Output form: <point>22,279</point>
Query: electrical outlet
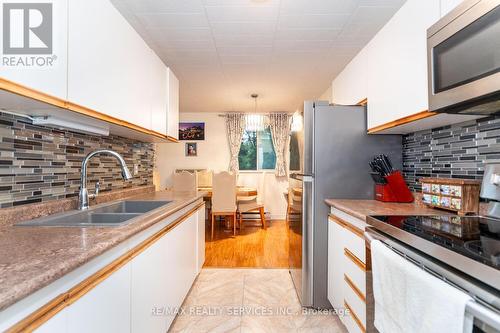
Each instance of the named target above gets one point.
<point>136,169</point>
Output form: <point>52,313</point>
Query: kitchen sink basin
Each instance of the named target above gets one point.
<point>131,207</point>
<point>115,214</point>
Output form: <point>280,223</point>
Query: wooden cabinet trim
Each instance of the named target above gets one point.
<point>355,317</point>
<point>64,104</point>
<point>358,262</point>
<point>363,102</point>
<point>349,226</point>
<point>408,119</point>
<point>49,310</point>
<point>354,288</point>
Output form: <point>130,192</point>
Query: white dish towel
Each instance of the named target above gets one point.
<point>410,300</point>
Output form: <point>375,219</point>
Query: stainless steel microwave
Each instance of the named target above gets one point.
<point>463,57</point>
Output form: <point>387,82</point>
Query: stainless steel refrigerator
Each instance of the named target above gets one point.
<point>335,150</point>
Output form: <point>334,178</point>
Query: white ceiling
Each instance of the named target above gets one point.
<point>287,51</point>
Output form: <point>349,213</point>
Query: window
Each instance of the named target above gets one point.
<point>294,152</point>
<point>257,151</point>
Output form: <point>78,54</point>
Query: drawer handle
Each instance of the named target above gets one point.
<point>355,317</point>
<point>355,288</point>
<point>355,259</point>
<point>349,226</point>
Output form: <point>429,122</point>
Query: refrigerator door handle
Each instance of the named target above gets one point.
<point>302,177</point>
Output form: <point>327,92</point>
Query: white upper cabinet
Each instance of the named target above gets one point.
<point>109,64</point>
<point>164,100</point>
<point>40,63</point>
<point>173,105</point>
<point>159,98</point>
<point>397,86</point>
<point>391,70</point>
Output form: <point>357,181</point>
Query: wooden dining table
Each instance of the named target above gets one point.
<point>241,191</point>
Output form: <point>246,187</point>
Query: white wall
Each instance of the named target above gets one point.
<point>213,154</point>
<point>326,95</point>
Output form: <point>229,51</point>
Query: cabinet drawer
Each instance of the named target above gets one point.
<point>353,270</point>
<point>353,237</point>
<point>355,298</point>
<point>352,321</point>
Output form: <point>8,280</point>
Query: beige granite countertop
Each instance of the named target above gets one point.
<point>363,208</point>
<point>33,257</point>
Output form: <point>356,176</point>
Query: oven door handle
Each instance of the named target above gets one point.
<point>474,307</point>
<point>371,235</point>
<point>481,312</point>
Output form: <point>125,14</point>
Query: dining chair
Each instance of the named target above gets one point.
<point>224,198</point>
<point>184,182</point>
<point>254,204</point>
<point>294,203</point>
<point>204,178</point>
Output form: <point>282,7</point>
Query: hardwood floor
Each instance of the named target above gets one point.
<point>254,247</point>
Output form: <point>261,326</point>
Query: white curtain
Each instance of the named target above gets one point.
<point>279,123</point>
<point>235,127</point>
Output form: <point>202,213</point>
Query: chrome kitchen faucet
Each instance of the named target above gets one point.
<point>83,195</point>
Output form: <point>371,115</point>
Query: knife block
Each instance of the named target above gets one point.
<point>395,190</point>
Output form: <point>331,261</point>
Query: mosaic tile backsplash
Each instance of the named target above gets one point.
<point>39,163</point>
<point>455,151</point>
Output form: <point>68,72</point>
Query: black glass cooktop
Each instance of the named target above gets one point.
<point>475,237</point>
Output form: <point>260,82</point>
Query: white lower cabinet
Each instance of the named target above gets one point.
<point>335,264</point>
<point>106,308</point>
<point>144,294</point>
<point>58,323</point>
<point>161,277</point>
<point>201,239</point>
<point>347,269</point>
<point>150,282</point>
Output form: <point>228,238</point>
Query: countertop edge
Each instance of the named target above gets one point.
<point>46,280</point>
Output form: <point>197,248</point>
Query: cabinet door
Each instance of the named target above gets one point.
<point>186,255</point>
<point>56,324</point>
<point>43,72</point>
<point>151,282</point>
<point>109,65</point>
<point>173,105</point>
<point>397,74</point>
<point>162,276</point>
<point>336,264</point>
<point>201,239</point>
<point>106,308</point>
<point>159,98</point>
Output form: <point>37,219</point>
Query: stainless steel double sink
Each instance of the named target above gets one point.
<point>114,214</point>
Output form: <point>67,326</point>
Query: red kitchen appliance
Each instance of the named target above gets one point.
<point>394,189</point>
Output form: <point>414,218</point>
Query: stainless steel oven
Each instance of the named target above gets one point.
<point>484,308</point>
<point>463,54</point>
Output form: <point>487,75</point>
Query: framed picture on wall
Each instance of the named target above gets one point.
<point>190,131</point>
<point>191,149</point>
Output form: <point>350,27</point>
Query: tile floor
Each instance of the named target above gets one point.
<point>248,300</point>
